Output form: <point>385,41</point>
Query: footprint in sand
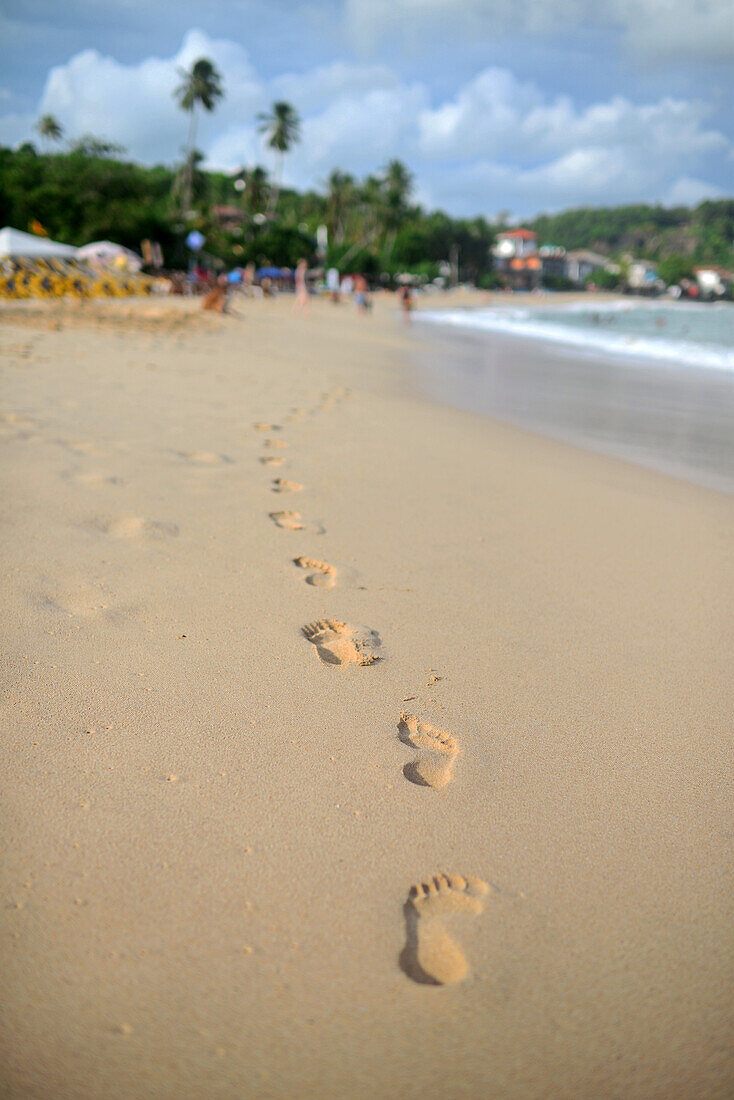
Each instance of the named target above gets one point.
<point>16,420</point>
<point>133,527</point>
<point>203,458</point>
<point>290,520</point>
<point>431,956</point>
<point>282,485</point>
<point>82,601</point>
<point>272,460</point>
<point>261,426</point>
<point>275,443</point>
<point>339,643</point>
<point>77,600</point>
<point>93,479</point>
<point>323,575</point>
<point>434,765</point>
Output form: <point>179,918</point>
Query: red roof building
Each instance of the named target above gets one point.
<point>516,256</point>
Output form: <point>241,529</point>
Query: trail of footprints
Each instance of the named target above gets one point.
<point>431,955</point>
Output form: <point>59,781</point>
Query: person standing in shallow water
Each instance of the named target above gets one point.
<point>301,303</point>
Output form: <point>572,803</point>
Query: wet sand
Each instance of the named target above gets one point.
<point>674,418</point>
<point>412,780</point>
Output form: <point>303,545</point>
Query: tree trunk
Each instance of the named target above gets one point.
<point>188,166</point>
<point>275,191</point>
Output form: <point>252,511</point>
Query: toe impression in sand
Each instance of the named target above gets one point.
<point>282,485</point>
<point>290,520</point>
<point>437,751</point>
<point>339,643</point>
<point>431,955</point>
<point>322,575</point>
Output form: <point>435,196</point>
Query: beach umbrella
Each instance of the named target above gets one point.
<point>195,240</point>
<point>13,242</point>
<point>109,254</point>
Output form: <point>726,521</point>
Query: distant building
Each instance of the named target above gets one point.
<point>643,276</point>
<point>228,216</point>
<point>582,263</point>
<point>516,258</point>
<point>553,261</point>
<point>713,281</point>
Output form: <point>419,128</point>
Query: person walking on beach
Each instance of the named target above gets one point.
<point>301,303</point>
<point>406,302</point>
<point>361,294</point>
<point>332,284</point>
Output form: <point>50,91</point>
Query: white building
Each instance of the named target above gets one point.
<point>643,275</point>
<point>581,263</point>
<point>713,281</point>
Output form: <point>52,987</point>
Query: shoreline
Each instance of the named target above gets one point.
<point>213,829</point>
<point>675,421</point>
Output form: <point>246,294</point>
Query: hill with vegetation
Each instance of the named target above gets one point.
<point>672,235</point>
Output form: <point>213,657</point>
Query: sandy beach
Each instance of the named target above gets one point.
<point>497,673</point>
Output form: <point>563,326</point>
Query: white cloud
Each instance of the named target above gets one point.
<point>679,28</point>
<point>134,104</point>
<point>689,192</point>
<point>370,21</point>
<point>318,88</point>
<point>497,114</point>
<point>702,29</point>
<point>497,142</point>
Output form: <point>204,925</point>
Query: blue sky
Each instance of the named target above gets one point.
<point>515,105</point>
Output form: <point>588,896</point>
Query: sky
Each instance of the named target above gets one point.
<point>519,106</point>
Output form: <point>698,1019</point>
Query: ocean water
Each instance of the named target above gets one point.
<point>696,334</point>
<point>650,383</point>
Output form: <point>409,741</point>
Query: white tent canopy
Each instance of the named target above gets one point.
<point>13,242</point>
<point>110,254</point>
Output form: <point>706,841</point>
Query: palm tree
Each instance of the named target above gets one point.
<point>255,190</point>
<point>396,188</point>
<point>282,127</point>
<point>369,218</point>
<point>339,200</point>
<point>202,86</point>
<point>49,128</point>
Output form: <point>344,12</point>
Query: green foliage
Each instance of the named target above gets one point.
<point>201,85</point>
<point>702,235</point>
<point>87,194</point>
<point>280,245</point>
<point>605,280</point>
<point>49,128</point>
<point>90,146</point>
<point>489,281</point>
<point>560,282</point>
<point>80,198</point>
<point>281,125</point>
<point>674,268</point>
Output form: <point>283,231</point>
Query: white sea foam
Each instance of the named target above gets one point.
<point>528,323</point>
